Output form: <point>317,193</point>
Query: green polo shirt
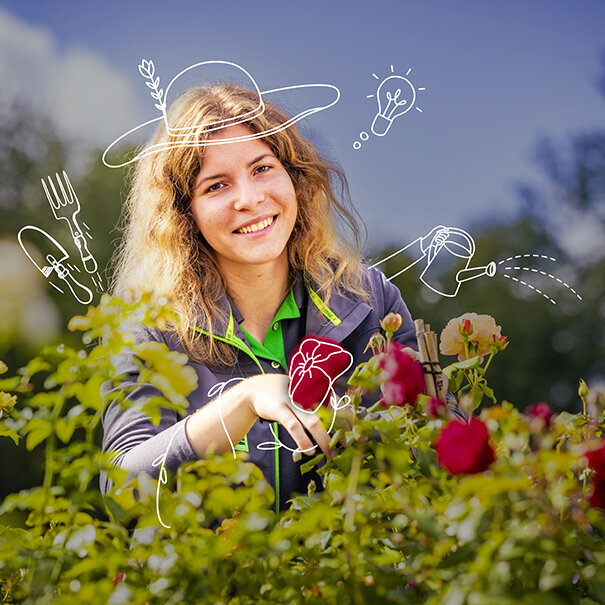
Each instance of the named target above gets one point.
<point>273,347</point>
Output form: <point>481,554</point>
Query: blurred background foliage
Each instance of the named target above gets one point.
<point>554,345</point>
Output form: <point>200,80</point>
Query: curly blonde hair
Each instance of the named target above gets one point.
<point>162,247</point>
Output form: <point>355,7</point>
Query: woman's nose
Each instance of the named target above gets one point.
<point>248,195</point>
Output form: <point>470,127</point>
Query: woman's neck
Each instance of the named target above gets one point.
<point>258,291</point>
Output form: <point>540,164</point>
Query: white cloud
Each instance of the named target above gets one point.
<point>87,98</point>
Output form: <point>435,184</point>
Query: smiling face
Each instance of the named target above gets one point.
<point>244,203</point>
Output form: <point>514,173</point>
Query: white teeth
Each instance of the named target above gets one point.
<point>256,226</point>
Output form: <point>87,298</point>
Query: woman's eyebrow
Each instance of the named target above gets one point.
<point>220,176</point>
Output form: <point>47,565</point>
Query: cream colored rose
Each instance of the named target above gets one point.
<point>484,328</point>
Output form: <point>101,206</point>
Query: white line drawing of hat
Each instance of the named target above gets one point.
<point>189,136</point>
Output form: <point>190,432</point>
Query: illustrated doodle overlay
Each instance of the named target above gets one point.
<point>395,95</point>
<point>56,266</point>
<point>189,135</point>
<point>444,248</point>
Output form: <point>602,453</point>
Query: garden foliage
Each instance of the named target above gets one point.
<point>504,509</point>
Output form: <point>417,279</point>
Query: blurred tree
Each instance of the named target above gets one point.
<point>31,149</point>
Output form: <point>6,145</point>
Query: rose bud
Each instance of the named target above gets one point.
<point>539,415</point>
<point>499,343</point>
<point>392,322</point>
<point>464,447</point>
<point>377,343</point>
<point>466,327</point>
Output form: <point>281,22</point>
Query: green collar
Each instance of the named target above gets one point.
<point>273,346</point>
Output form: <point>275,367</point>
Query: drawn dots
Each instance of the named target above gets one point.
<point>364,136</point>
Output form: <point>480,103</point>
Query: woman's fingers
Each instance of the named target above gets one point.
<point>314,425</point>
<point>290,421</point>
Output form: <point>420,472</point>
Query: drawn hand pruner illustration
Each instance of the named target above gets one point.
<point>32,239</point>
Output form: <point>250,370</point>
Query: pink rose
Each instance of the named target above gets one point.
<point>313,369</point>
<point>403,376</point>
<point>539,415</point>
<point>436,408</point>
<point>464,447</point>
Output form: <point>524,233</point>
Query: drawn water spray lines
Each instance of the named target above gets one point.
<point>515,267</point>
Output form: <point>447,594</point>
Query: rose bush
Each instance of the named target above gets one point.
<point>387,524</point>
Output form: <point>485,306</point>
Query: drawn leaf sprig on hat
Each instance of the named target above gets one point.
<point>147,70</point>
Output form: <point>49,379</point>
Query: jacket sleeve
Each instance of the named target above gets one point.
<point>129,433</point>
<point>393,303</point>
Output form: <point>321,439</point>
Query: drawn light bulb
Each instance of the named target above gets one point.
<point>396,95</point>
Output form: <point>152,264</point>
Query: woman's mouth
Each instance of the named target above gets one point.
<point>256,227</point>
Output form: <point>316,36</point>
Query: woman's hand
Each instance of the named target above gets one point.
<point>267,397</point>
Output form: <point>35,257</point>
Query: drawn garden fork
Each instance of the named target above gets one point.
<point>66,207</point>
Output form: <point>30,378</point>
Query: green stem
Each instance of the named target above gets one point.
<point>375,406</point>
<point>352,487</point>
<point>474,386</point>
<point>491,356</point>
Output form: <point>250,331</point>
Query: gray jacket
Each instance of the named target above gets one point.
<point>137,442</point>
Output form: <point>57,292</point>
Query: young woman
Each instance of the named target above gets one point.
<point>241,237</point>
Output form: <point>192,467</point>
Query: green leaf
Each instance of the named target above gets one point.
<point>37,430</point>
<point>487,391</point>
<point>65,428</point>
<point>467,364</point>
<point>6,432</point>
<point>311,464</point>
<point>364,376</point>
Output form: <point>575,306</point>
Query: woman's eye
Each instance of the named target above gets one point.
<point>263,168</point>
<point>214,187</point>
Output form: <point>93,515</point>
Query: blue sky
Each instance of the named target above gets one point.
<point>498,76</point>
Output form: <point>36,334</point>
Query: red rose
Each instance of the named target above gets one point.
<point>403,377</point>
<point>598,493</point>
<point>596,461</point>
<point>313,369</point>
<point>539,415</point>
<point>464,447</point>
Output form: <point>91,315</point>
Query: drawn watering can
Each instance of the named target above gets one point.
<point>448,246</point>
